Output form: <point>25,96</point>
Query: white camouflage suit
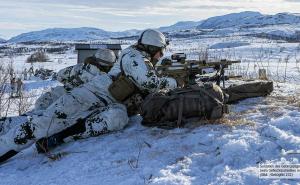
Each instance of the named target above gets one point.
<point>70,77</point>
<point>137,66</point>
<point>91,100</point>
<point>87,99</point>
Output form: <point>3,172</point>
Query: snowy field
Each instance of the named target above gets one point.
<point>258,130</point>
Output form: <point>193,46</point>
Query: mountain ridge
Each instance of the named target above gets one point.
<point>244,19</point>
<point>248,19</point>
<point>2,40</point>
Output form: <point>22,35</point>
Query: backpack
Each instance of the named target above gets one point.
<point>172,108</point>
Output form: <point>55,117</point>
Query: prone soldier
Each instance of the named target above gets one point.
<point>83,111</point>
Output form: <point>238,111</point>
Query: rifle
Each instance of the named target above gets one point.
<point>187,71</point>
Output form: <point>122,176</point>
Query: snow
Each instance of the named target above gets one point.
<point>183,25</point>
<point>70,34</point>
<point>228,151</point>
<point>207,154</point>
<point>248,19</point>
<point>229,20</point>
<point>228,45</point>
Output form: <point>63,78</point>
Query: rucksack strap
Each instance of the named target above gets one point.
<point>208,94</point>
<point>180,111</point>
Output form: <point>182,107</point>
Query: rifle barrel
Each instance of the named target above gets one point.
<point>203,62</point>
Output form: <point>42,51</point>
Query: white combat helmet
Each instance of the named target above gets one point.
<point>153,38</point>
<point>105,57</point>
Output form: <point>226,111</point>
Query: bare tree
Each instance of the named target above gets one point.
<point>203,54</point>
<point>20,104</point>
<point>5,76</point>
<point>24,102</point>
<point>286,61</point>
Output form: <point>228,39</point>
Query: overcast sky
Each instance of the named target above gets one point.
<point>19,16</point>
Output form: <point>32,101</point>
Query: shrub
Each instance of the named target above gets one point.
<point>38,56</point>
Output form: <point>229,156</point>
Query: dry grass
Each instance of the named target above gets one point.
<point>227,119</point>
<point>235,121</point>
<point>294,101</point>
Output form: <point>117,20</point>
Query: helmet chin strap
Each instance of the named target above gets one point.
<point>145,48</point>
<point>154,61</point>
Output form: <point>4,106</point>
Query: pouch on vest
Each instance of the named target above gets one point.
<point>122,88</point>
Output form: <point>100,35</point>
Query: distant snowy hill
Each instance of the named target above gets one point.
<point>249,19</point>
<point>183,25</point>
<point>69,34</point>
<point>2,40</point>
<point>243,23</point>
<point>282,26</point>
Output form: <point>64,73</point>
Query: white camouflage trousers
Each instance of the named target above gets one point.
<point>100,113</point>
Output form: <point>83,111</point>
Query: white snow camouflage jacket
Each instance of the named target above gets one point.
<point>70,77</point>
<point>137,67</point>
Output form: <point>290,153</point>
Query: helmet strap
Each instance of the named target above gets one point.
<point>146,48</point>
<point>141,37</point>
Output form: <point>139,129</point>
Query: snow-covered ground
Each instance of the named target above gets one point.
<point>258,130</point>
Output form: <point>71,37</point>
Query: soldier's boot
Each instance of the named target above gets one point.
<point>45,144</point>
<point>7,156</point>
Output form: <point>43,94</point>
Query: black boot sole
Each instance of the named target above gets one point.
<point>7,156</point>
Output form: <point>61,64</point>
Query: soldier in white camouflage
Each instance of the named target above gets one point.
<point>84,109</point>
<point>74,76</point>
<point>89,109</point>
<point>137,64</point>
